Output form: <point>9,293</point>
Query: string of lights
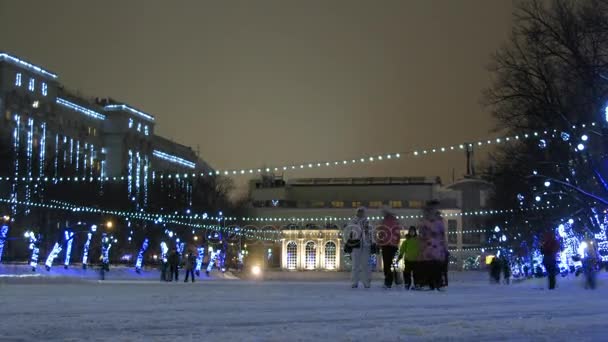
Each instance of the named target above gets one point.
<point>308,165</point>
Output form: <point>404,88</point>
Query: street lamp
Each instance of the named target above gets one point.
<point>109,224</point>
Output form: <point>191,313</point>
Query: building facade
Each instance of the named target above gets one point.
<point>49,132</point>
<point>312,213</point>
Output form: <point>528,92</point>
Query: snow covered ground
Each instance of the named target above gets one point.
<point>50,309</point>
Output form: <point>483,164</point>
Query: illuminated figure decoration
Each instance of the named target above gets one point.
<point>163,257</point>
<point>3,238</point>
<point>140,256</point>
<point>69,239</point>
<point>106,244</point>
<point>199,260</point>
<point>213,255</point>
<point>34,247</point>
<point>52,255</point>
<point>85,252</point>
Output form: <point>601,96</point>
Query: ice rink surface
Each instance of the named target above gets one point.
<point>51,309</point>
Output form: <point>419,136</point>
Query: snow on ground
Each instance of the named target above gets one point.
<point>283,310</point>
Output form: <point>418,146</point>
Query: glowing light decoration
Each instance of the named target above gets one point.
<point>3,238</point>
<point>71,151</point>
<point>45,89</point>
<point>18,80</point>
<point>199,259</point>
<point>56,156</point>
<point>173,159</point>
<point>140,256</point>
<point>80,109</point>
<point>21,63</point>
<point>31,84</point>
<point>106,244</point>
<point>163,251</point>
<point>146,130</point>
<point>126,108</point>
<point>131,122</point>
<point>34,247</point>
<point>85,251</point>
<point>146,170</point>
<point>542,143</point>
<point>565,136</point>
<point>130,175</point>
<point>69,239</point>
<point>213,258</point>
<point>580,147</point>
<point>29,154</point>
<point>42,150</point>
<point>77,155</point>
<point>180,247</point>
<point>52,255</point>
<point>584,137</point>
<point>139,126</point>
<point>16,147</point>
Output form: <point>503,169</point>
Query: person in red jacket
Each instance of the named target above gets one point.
<point>388,235</point>
<point>549,249</point>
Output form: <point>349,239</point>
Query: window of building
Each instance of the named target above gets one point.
<point>45,89</point>
<point>356,204</point>
<point>90,131</point>
<point>146,130</point>
<point>311,255</point>
<point>471,239</point>
<point>452,231</point>
<point>375,204</point>
<point>130,123</point>
<point>292,255</point>
<point>416,204</point>
<point>32,84</point>
<point>139,127</point>
<point>395,204</point>
<point>18,80</point>
<point>317,204</point>
<point>7,115</point>
<point>330,255</point>
<point>337,204</point>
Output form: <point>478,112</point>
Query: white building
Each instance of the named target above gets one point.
<point>312,212</point>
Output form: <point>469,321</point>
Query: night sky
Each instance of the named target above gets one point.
<point>272,82</point>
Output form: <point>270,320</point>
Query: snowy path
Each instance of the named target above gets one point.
<point>286,311</point>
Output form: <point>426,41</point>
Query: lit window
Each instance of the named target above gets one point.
<point>139,127</point>
<point>32,84</point>
<point>311,255</point>
<point>375,204</point>
<point>36,104</point>
<point>18,80</point>
<point>356,204</point>
<point>130,123</point>
<point>416,204</point>
<point>89,130</point>
<point>337,204</point>
<point>146,130</point>
<point>292,255</point>
<point>318,204</point>
<point>94,132</point>
<point>330,255</point>
<point>45,89</point>
<point>396,204</point>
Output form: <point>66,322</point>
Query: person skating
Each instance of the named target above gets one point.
<point>388,235</point>
<point>409,252</point>
<point>433,244</point>
<point>549,249</point>
<point>444,269</point>
<point>173,265</point>
<point>359,240</point>
<point>190,266</point>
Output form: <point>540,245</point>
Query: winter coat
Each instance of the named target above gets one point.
<point>359,229</point>
<point>174,259</point>
<point>432,240</point>
<point>389,232</point>
<point>410,249</point>
<point>190,262</point>
<point>550,246</point>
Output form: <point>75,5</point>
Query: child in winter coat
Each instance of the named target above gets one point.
<point>409,252</point>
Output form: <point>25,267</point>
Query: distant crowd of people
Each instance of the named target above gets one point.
<point>424,251</point>
<point>170,269</point>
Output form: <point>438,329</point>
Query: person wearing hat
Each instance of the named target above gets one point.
<point>388,236</point>
<point>358,238</point>
<point>433,244</point>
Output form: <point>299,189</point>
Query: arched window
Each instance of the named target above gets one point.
<point>330,255</point>
<point>311,255</point>
<point>292,255</point>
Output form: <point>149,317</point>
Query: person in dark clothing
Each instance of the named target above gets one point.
<point>190,265</point>
<point>173,265</point>
<point>506,270</point>
<point>388,236</point>
<point>444,270</point>
<point>550,247</point>
<point>495,269</point>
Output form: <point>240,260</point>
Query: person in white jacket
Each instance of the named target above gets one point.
<point>359,236</point>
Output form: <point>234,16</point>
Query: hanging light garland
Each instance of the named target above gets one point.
<point>308,165</point>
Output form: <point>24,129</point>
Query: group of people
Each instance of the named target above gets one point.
<point>500,265</point>
<point>424,251</point>
<point>170,269</point>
